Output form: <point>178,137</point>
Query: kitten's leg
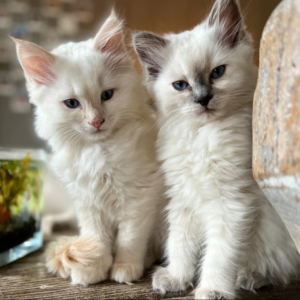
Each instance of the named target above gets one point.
<point>272,257</point>
<point>251,281</point>
<point>88,258</point>
<point>131,248</point>
<point>182,250</point>
<point>226,226</point>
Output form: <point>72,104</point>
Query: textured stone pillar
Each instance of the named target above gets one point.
<point>276,117</point>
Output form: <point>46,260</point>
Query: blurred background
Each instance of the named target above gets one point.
<point>51,22</point>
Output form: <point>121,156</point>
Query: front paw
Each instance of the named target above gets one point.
<point>164,282</point>
<point>126,272</point>
<point>212,295</point>
<point>84,259</point>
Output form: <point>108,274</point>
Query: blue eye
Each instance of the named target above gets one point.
<point>106,95</point>
<point>180,85</point>
<point>72,103</point>
<point>218,72</point>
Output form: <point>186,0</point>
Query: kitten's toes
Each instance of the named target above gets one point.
<point>126,272</point>
<point>212,295</point>
<point>164,282</point>
<point>84,259</point>
<point>250,281</point>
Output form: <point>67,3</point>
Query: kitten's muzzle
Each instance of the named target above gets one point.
<point>204,100</point>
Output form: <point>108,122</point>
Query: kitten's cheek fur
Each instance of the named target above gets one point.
<point>84,259</point>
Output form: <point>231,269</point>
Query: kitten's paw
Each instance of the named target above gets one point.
<point>84,259</point>
<point>93,273</point>
<point>126,272</point>
<point>251,281</point>
<point>164,282</point>
<point>212,295</point>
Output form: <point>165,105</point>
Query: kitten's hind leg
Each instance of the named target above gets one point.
<point>251,281</point>
<point>84,259</point>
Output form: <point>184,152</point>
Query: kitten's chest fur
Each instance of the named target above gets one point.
<point>106,176</point>
<point>90,172</point>
<point>198,161</point>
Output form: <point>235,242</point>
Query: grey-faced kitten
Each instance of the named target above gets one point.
<point>203,81</point>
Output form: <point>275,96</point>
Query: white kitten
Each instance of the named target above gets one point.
<point>92,109</point>
<point>220,222</point>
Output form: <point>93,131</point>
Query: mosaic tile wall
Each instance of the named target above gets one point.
<point>45,22</point>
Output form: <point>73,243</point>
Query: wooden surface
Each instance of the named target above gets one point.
<point>27,278</point>
<point>276,115</point>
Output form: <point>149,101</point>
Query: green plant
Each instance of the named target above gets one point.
<point>19,181</point>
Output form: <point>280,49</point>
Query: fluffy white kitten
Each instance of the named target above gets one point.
<point>221,227</point>
<point>92,109</point>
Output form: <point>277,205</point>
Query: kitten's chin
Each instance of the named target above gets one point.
<point>205,114</point>
<point>97,135</point>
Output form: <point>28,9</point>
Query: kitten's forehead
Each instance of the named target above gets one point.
<point>201,46</point>
<point>72,48</point>
<point>81,69</point>
<point>79,55</point>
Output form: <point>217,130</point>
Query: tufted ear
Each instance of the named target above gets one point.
<point>36,63</point>
<point>151,50</point>
<point>110,37</point>
<point>226,16</point>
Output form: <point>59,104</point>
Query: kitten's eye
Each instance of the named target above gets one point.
<point>106,95</point>
<point>72,103</point>
<point>180,85</point>
<point>218,72</point>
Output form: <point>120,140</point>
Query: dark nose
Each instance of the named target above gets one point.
<point>204,100</point>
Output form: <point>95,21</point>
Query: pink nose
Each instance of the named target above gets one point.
<point>97,123</point>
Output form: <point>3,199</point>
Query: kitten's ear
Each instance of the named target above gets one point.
<point>151,51</point>
<point>36,63</point>
<point>226,15</point>
<point>110,37</point>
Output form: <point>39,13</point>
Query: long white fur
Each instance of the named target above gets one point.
<point>222,229</point>
<point>112,176</point>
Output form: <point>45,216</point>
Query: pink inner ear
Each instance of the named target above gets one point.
<point>226,14</point>
<point>231,19</point>
<point>110,37</point>
<point>37,68</point>
<point>113,45</point>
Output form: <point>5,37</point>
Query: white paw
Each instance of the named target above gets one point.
<point>84,259</point>
<point>212,295</point>
<point>126,272</point>
<point>91,274</point>
<point>164,282</point>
